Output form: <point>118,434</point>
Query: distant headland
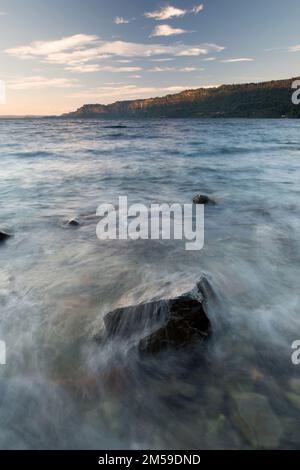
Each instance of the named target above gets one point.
<point>272,99</point>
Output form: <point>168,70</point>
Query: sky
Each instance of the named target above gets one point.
<point>57,55</point>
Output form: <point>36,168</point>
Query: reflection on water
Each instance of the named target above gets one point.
<point>60,388</point>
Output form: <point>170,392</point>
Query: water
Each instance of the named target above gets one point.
<point>60,388</point>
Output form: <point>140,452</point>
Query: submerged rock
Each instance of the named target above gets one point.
<point>255,419</point>
<point>4,236</point>
<point>201,199</point>
<point>294,385</point>
<point>160,325</point>
<point>294,399</point>
<point>291,430</point>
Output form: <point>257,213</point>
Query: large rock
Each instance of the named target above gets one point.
<point>159,325</point>
<point>256,420</point>
<point>4,236</point>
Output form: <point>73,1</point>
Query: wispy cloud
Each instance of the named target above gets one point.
<point>295,48</point>
<point>170,12</point>
<point>120,20</point>
<point>163,59</point>
<point>87,68</point>
<point>238,59</point>
<point>81,49</point>
<point>46,48</point>
<point>38,82</point>
<point>176,69</point>
<point>166,30</point>
<point>107,94</point>
<point>197,9</point>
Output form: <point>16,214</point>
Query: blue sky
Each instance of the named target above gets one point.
<point>57,55</point>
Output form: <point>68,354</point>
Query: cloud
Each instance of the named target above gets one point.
<point>170,12</point>
<point>120,20</point>
<point>166,30</point>
<point>80,49</point>
<point>46,48</point>
<point>163,59</point>
<point>166,13</point>
<point>83,68</point>
<point>294,48</point>
<point>176,69</point>
<point>37,82</point>
<point>3,13</point>
<point>107,94</point>
<point>87,68</point>
<point>200,50</point>
<point>241,59</point>
<point>197,9</point>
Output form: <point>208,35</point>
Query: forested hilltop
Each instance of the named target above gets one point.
<point>271,99</point>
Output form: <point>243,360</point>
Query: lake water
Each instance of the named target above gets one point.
<point>60,388</point>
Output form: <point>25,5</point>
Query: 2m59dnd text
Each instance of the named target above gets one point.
<point>169,459</point>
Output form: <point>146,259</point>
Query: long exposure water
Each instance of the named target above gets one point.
<point>62,389</point>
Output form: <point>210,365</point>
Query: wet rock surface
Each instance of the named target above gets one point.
<point>255,419</point>
<point>160,325</point>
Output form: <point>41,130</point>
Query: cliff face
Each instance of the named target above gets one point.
<point>262,100</point>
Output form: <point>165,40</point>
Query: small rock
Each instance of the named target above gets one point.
<point>294,385</point>
<point>256,375</point>
<point>214,397</point>
<point>291,430</point>
<point>73,223</point>
<point>175,387</point>
<point>4,236</point>
<point>294,399</point>
<point>255,419</point>
<point>220,434</point>
<point>111,411</point>
<point>201,199</point>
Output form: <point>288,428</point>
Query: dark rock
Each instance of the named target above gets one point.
<point>201,199</point>
<point>255,419</point>
<point>160,325</point>
<point>73,223</point>
<point>4,236</point>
